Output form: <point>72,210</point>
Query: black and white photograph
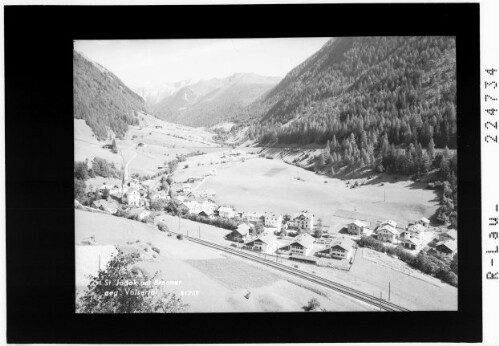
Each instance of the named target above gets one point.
<point>285,173</point>
<point>292,174</point>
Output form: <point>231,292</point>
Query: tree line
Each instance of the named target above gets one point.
<point>102,99</point>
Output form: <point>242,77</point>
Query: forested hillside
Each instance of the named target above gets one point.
<point>403,87</point>
<point>102,100</point>
<point>385,103</point>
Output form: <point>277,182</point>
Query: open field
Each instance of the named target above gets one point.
<point>260,184</point>
<point>199,269</point>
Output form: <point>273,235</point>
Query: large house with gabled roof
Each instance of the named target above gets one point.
<point>340,248</point>
<point>264,243</point>
<point>446,249</point>
<point>300,245</point>
<point>387,233</point>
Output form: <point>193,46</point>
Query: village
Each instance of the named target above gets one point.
<point>300,237</point>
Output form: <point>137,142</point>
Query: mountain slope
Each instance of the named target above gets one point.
<point>102,99</point>
<point>401,87</point>
<point>209,102</point>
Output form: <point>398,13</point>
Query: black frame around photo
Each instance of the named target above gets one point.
<point>39,166</point>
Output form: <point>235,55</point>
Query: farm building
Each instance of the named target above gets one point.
<point>341,248</point>
<point>446,249</point>
<point>226,212</point>
<point>301,245</point>
<point>273,220</point>
<point>264,243</point>
<point>357,227</point>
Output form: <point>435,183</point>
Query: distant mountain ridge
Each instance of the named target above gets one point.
<point>102,99</point>
<point>209,102</point>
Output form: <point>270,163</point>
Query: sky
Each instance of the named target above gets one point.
<point>148,63</point>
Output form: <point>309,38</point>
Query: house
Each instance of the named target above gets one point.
<point>387,233</point>
<point>252,216</point>
<point>339,248</point>
<point>416,230</point>
<point>305,221</point>
<point>357,227</point>
<point>424,222</point>
<point>273,220</point>
<point>264,243</point>
<point>449,235</point>
<point>132,197</point>
<point>300,245</point>
<point>241,234</point>
<point>446,249</point>
<point>410,243</point>
<point>226,212</point>
<point>140,213</point>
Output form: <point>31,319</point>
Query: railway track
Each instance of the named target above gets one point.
<point>348,291</point>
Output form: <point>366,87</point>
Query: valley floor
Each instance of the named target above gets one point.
<point>260,184</point>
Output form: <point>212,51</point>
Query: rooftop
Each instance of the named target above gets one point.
<point>304,239</point>
<point>449,244</point>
